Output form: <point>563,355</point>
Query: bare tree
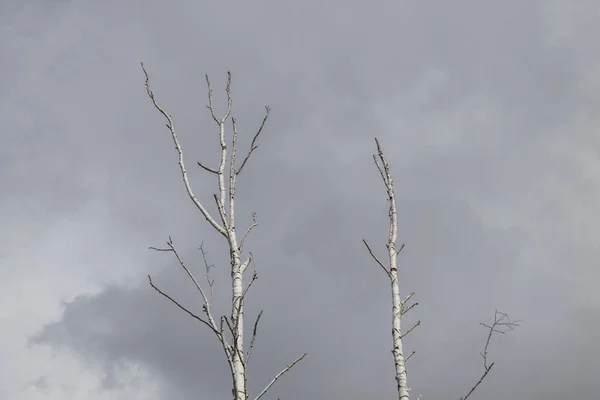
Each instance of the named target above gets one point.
<point>229,330</point>
<point>400,306</point>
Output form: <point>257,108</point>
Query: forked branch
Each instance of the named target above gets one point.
<point>224,199</point>
<point>206,305</point>
<point>502,324</point>
<point>170,125</point>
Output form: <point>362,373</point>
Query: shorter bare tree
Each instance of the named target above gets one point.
<point>501,324</point>
<point>230,329</point>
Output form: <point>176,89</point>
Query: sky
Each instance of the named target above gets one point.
<point>487,111</point>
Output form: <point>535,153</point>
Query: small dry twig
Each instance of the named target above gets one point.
<point>207,268</point>
<point>283,371</point>
<point>252,145</point>
<point>254,331</point>
<point>376,259</point>
<point>182,307</point>
<point>502,324</point>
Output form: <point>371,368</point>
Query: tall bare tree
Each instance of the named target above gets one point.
<point>229,330</point>
<point>501,324</point>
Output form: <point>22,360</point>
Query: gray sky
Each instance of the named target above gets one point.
<point>487,110</point>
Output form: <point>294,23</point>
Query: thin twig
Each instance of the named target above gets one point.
<point>384,175</point>
<point>210,103</point>
<point>252,146</point>
<point>407,309</point>
<point>410,329</point>
<point>400,249</point>
<point>407,298</point>
<point>206,305</point>
<point>221,209</point>
<point>182,307</point>
<point>286,369</point>
<point>233,334</point>
<point>254,331</point>
<point>376,259</point>
<point>228,91</point>
<point>254,223</point>
<point>254,277</point>
<point>209,169</point>
<point>207,271</point>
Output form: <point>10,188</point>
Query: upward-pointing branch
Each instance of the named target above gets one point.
<point>186,182</point>
<point>392,273</point>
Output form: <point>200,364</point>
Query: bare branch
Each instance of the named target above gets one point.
<point>407,298</point>
<point>400,249</point>
<point>254,277</point>
<point>206,306</point>
<point>210,103</point>
<point>225,202</point>
<point>182,307</point>
<point>405,310</point>
<point>286,369</point>
<point>254,331</point>
<point>486,371</point>
<point>228,91</point>
<point>157,249</point>
<point>392,271</point>
<point>254,223</point>
<point>232,174</point>
<point>186,182</point>
<point>500,320</point>
<point>221,179</point>
<point>214,171</point>
<point>379,168</point>
<point>376,259</point>
<point>221,208</point>
<point>221,170</point>
<point>207,271</point>
<point>233,147</point>
<point>221,326</point>
<point>245,264</point>
<point>505,322</point>
<point>252,145</point>
<point>231,329</point>
<point>386,176</point>
<point>409,356</point>
<point>410,330</point>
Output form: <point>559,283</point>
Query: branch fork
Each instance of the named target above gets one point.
<point>225,204</point>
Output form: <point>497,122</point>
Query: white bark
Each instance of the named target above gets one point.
<point>392,273</point>
<point>502,323</point>
<point>225,203</point>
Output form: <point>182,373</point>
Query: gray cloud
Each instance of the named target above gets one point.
<point>486,112</point>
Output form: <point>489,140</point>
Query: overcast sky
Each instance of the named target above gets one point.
<point>487,110</point>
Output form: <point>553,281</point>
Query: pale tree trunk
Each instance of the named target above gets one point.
<point>391,270</point>
<point>230,329</point>
<point>501,324</point>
